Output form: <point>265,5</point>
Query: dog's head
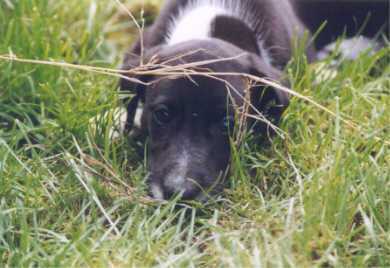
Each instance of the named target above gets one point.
<point>190,118</point>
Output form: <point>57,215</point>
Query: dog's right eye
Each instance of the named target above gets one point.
<point>162,115</point>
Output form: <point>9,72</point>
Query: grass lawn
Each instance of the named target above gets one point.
<point>72,198</point>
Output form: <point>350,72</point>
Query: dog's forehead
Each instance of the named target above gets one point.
<point>213,55</point>
<point>196,90</point>
<point>206,49</point>
<point>210,73</point>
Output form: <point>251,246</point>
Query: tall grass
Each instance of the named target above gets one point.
<point>68,197</point>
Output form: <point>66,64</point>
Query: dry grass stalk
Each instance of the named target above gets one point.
<point>190,69</point>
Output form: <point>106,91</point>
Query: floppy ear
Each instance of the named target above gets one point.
<point>270,101</point>
<point>136,85</point>
<point>132,87</point>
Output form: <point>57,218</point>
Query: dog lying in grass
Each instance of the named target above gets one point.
<point>193,86</point>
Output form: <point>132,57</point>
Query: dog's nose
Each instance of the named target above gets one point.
<point>187,194</point>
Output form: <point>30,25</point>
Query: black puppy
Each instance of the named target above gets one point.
<point>188,118</point>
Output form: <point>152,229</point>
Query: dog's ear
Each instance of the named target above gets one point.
<point>247,38</point>
<point>134,85</point>
<point>268,100</point>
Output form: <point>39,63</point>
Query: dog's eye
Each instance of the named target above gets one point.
<point>162,115</point>
<point>227,124</point>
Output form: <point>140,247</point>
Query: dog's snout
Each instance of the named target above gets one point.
<point>187,188</point>
<point>185,194</point>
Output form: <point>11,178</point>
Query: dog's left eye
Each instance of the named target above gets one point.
<point>162,115</point>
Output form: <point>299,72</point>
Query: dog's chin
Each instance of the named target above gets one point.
<point>183,190</point>
<point>185,185</point>
<point>160,192</point>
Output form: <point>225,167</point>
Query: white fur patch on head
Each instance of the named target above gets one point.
<point>194,21</point>
<point>194,24</point>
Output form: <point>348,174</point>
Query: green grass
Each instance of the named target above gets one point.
<point>71,199</point>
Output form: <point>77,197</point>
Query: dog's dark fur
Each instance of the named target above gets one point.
<point>344,17</point>
<point>188,119</point>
